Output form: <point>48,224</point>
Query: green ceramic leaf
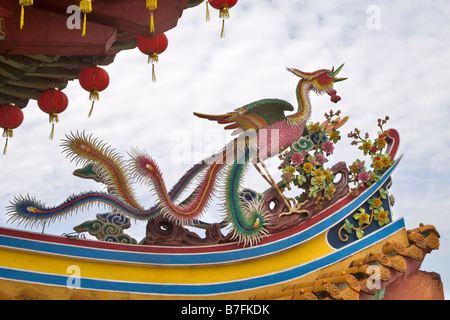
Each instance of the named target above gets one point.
<point>359,234</point>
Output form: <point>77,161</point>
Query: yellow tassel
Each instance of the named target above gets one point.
<point>92,109</point>
<point>6,147</point>
<point>24,3</point>
<point>8,133</point>
<point>222,33</point>
<point>152,5</point>
<point>153,73</point>
<point>152,23</point>
<point>93,96</point>
<point>85,7</point>
<point>52,132</point>
<point>223,14</point>
<point>207,11</point>
<point>52,119</point>
<point>83,32</point>
<point>153,58</point>
<point>22,13</point>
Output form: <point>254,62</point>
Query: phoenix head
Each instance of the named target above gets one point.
<point>322,80</point>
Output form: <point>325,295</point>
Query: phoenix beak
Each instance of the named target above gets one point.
<point>335,73</point>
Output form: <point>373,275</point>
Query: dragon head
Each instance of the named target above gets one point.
<point>322,80</point>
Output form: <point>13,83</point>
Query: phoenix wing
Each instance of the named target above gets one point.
<point>253,116</point>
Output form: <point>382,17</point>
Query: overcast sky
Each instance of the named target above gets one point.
<point>396,56</point>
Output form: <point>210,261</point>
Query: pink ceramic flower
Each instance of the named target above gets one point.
<point>320,159</point>
<point>297,159</point>
<point>364,176</point>
<point>328,147</point>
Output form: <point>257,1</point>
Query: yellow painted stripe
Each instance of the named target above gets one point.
<point>300,254</point>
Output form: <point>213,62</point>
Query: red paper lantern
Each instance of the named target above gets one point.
<point>223,6</point>
<point>53,102</point>
<point>153,47</point>
<point>11,117</point>
<point>94,79</point>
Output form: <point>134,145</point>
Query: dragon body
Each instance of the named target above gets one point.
<point>263,131</point>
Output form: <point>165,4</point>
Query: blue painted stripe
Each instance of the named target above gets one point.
<point>214,288</point>
<point>197,258</point>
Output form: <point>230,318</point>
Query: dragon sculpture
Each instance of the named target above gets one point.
<point>263,131</point>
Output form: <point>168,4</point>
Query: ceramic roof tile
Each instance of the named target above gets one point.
<point>349,283</point>
<point>425,236</point>
<point>398,263</point>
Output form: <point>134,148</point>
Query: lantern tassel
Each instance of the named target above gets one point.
<point>52,132</point>
<point>6,147</point>
<point>8,133</point>
<point>152,23</point>
<point>223,14</point>
<point>151,6</point>
<point>22,14</point>
<point>83,32</point>
<point>85,7</point>
<point>153,73</point>
<point>92,109</point>
<point>23,3</point>
<point>222,33</point>
<point>207,11</point>
<point>93,96</point>
<point>52,119</point>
